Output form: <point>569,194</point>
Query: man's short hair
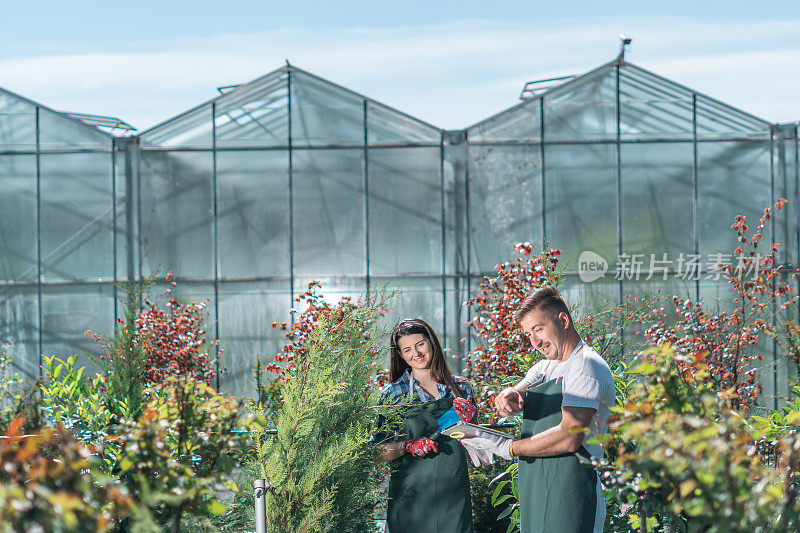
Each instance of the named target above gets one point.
<point>546,299</point>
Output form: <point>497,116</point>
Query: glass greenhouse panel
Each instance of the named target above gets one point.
<point>19,327</point>
<point>505,199</point>
<point>657,199</point>
<point>418,298</point>
<point>733,179</point>
<point>653,108</point>
<point>405,211</point>
<point>324,114</point>
<point>456,317</point>
<point>247,311</point>
<point>455,205</point>
<point>787,221</point>
<point>69,311</point>
<point>253,211</point>
<point>331,288</point>
<point>329,216</point>
<point>255,114</point>
<point>127,249</point>
<point>58,132</point>
<point>17,123</point>
<point>583,109</point>
<point>77,216</point>
<point>716,120</point>
<point>385,125</point>
<point>589,298</point>
<point>176,211</point>
<point>18,217</point>
<point>581,201</point>
<point>520,123</point>
<point>192,129</point>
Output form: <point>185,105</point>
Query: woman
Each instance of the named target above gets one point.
<point>429,485</point>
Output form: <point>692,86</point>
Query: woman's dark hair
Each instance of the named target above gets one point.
<point>439,369</point>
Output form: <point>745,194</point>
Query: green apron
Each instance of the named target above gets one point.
<point>430,494</point>
<point>556,494</point>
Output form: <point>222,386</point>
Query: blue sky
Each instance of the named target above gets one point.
<point>449,63</point>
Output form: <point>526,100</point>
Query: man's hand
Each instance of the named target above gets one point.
<point>465,408</point>
<point>420,447</point>
<point>508,402</point>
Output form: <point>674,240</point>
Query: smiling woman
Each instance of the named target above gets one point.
<point>429,486</point>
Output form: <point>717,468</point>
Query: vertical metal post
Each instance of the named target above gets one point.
<point>291,184</point>
<point>39,238</point>
<point>260,497</point>
<point>444,237</point>
<point>131,201</point>
<point>467,236</point>
<point>114,221</point>
<point>215,235</point>
<point>139,213</point>
<point>541,164</point>
<point>618,144</point>
<point>797,202</point>
<point>695,194</point>
<point>772,281</point>
<point>366,199</point>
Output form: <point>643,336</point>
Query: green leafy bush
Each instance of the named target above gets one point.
<point>679,444</point>
<point>49,481</point>
<point>181,449</point>
<point>10,396</point>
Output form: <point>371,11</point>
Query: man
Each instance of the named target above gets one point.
<point>565,400</point>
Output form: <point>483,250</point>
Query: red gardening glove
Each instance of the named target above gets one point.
<point>465,408</point>
<point>420,447</point>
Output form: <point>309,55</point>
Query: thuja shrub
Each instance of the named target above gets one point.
<point>49,481</point>
<point>319,468</point>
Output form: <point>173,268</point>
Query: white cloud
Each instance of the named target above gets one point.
<point>450,74</point>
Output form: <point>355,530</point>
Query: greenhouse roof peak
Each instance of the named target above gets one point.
<point>240,93</point>
<point>631,75</point>
<point>76,118</point>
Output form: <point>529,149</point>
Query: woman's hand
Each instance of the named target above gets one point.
<point>465,408</point>
<point>420,447</point>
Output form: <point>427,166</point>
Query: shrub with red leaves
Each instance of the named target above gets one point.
<point>503,345</point>
<point>172,338</point>
<point>728,338</point>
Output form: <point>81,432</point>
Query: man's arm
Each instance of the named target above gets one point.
<point>558,439</point>
<point>510,400</point>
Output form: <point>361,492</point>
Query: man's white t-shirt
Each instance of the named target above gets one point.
<point>587,383</point>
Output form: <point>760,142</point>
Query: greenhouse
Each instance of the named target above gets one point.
<point>291,178</point>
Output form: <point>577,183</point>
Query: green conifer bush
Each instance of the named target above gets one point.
<point>319,467</point>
